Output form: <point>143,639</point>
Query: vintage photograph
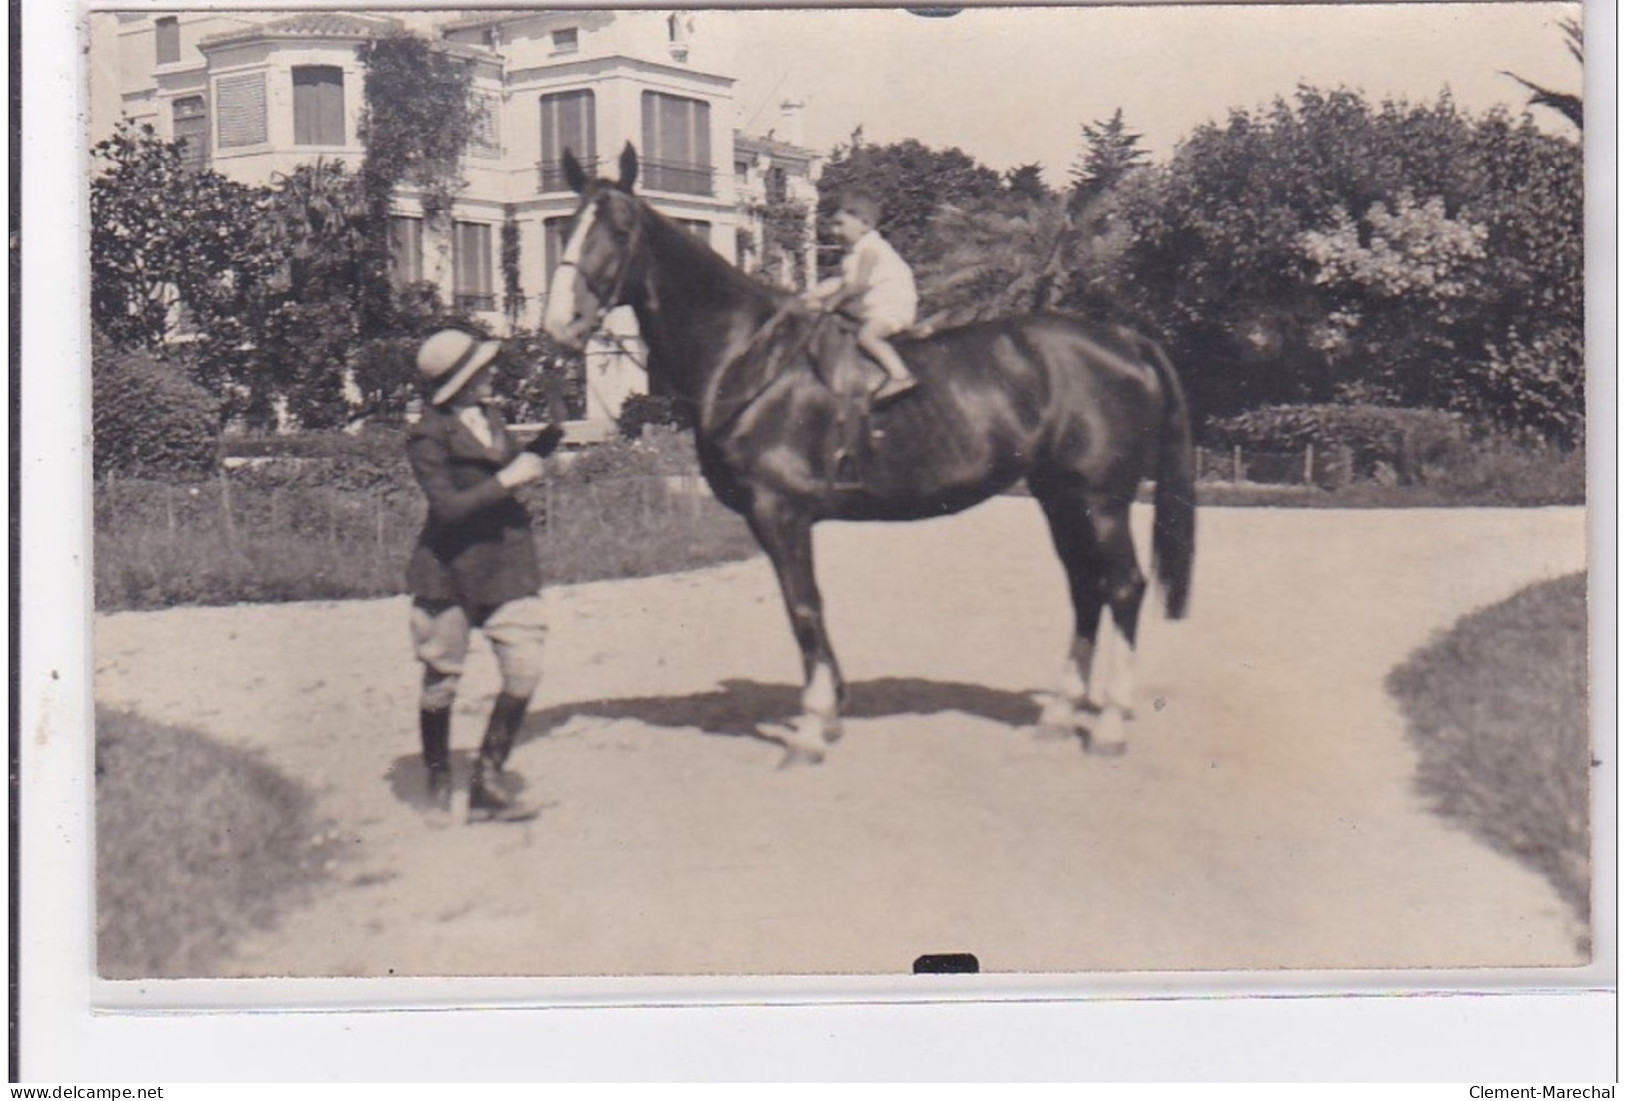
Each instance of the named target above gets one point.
<point>1052,493</point>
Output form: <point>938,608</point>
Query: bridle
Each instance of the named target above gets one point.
<point>630,257</point>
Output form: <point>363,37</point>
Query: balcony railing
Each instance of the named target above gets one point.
<point>550,174</point>
<point>483,303</point>
<point>683,179</point>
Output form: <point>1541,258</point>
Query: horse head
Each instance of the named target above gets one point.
<point>595,274</point>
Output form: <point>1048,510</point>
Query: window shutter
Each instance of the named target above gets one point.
<point>553,244</point>
<point>191,126</point>
<point>318,105</point>
<point>677,143</point>
<point>240,104</point>
<point>486,139</point>
<point>471,261</point>
<point>569,121</point>
<point>406,250</point>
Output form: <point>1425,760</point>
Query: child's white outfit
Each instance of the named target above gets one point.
<point>889,297</point>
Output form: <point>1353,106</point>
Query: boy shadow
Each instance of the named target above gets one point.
<point>739,709</point>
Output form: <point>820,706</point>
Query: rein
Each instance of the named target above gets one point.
<point>790,306</point>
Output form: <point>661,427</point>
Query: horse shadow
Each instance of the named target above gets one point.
<point>741,709</point>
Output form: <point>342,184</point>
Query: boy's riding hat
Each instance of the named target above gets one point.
<point>449,359</point>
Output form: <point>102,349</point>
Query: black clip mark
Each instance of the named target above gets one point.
<point>947,963</point>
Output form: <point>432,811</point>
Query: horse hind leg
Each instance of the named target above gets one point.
<point>1067,511</point>
<point>1112,680</point>
<point>1094,697</point>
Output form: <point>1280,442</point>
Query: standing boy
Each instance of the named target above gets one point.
<point>474,566</point>
<point>877,285</point>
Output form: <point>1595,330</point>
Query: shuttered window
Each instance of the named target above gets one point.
<point>240,110</point>
<point>191,118</point>
<point>485,140</point>
<point>554,231</point>
<point>676,144</point>
<point>471,261</point>
<point>406,251</point>
<point>318,105</point>
<point>568,122</point>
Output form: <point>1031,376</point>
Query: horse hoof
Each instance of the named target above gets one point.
<point>832,730</point>
<point>800,747</point>
<point>1106,736</point>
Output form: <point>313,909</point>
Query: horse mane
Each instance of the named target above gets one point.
<point>711,265</point>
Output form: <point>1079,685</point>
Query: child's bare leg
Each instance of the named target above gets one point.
<point>872,339</point>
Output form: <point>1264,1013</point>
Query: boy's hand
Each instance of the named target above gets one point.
<point>527,467</point>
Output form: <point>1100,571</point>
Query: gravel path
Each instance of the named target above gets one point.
<point>1263,816</point>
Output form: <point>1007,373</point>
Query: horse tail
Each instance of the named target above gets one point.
<point>1173,527</point>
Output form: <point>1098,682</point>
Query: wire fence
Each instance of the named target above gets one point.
<point>1239,466</point>
<point>217,541</point>
<point>220,507</point>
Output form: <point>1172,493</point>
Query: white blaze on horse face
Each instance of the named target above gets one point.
<point>561,295</point>
<point>819,698</point>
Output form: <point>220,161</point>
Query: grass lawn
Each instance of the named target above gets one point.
<point>1497,708</point>
<point>196,844</point>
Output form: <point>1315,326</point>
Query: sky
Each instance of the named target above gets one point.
<point>1014,85</point>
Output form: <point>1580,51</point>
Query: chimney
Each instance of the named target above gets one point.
<point>790,129</point>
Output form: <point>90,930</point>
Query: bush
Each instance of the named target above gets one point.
<point>642,410</point>
<point>372,462</point>
<point>386,374</point>
<point>148,417</point>
<point>1409,442</point>
<point>660,451</point>
<point>528,368</point>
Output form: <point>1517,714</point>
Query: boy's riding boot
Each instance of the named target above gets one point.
<point>434,727</point>
<point>491,794</point>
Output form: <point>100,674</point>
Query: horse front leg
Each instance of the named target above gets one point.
<point>786,536</point>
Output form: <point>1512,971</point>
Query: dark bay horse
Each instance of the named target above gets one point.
<point>1082,412</point>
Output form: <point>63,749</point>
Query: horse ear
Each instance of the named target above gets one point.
<point>573,175</point>
<point>629,167</point>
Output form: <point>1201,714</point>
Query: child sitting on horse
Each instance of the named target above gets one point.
<point>876,285</point>
<point>474,565</point>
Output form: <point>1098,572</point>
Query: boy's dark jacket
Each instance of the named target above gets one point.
<point>476,547</point>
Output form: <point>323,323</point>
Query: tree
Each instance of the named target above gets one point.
<point>1026,181</point>
<point>417,120</point>
<point>1110,152</point>
<point>307,334</point>
<point>1567,104</point>
<point>994,260</point>
<point>166,240</point>
<point>911,182</point>
<point>1266,253</point>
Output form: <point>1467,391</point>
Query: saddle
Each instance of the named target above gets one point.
<point>852,377</point>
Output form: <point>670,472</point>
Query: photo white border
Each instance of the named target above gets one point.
<point>1342,1026</point>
